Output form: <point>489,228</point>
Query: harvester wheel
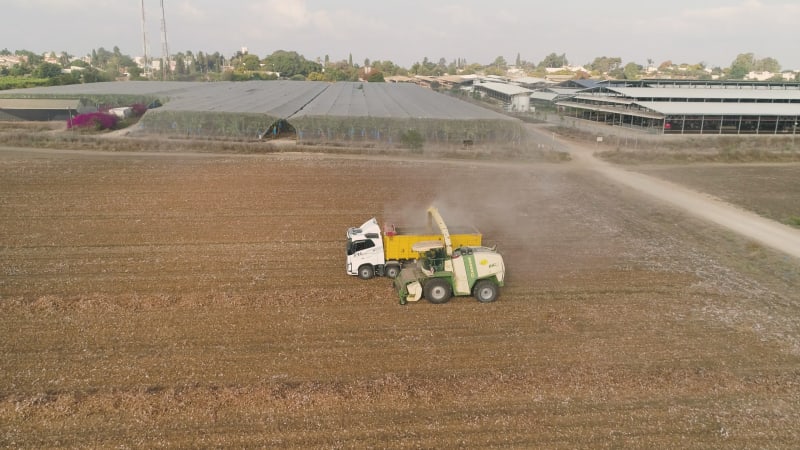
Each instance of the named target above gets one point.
<point>366,272</point>
<point>392,270</point>
<point>485,291</point>
<point>437,290</point>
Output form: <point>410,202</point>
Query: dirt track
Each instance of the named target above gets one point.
<point>200,300</point>
<point>768,232</point>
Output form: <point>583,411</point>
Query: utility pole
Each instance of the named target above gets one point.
<point>164,47</point>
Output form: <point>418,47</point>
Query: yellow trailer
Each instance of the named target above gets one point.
<point>397,242</point>
<point>374,251</point>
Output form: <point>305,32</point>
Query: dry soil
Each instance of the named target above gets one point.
<point>156,300</point>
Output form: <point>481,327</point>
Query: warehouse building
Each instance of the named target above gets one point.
<point>514,98</point>
<point>689,107</point>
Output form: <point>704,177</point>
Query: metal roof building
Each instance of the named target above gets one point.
<point>37,109</point>
<point>514,98</point>
<point>716,108</point>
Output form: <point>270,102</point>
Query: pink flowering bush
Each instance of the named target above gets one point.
<point>138,109</point>
<point>97,121</point>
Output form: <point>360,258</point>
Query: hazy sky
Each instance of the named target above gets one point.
<point>690,31</point>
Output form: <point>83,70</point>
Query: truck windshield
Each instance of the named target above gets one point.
<point>357,246</point>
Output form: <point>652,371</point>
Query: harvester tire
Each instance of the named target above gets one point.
<point>366,271</point>
<point>485,291</point>
<point>437,290</point>
<point>392,270</point>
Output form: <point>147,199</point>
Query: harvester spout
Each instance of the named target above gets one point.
<point>434,216</point>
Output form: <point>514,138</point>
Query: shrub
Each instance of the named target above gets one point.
<point>97,121</point>
<point>138,109</point>
<point>412,139</point>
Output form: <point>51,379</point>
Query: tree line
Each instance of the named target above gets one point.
<point>106,65</point>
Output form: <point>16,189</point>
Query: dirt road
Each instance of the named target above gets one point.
<point>767,232</point>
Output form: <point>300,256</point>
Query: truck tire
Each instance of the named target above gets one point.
<point>437,290</point>
<point>366,271</point>
<point>392,270</point>
<point>485,291</point>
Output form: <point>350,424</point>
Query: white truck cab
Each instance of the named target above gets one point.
<point>365,249</point>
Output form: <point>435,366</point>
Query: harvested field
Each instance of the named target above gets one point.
<point>156,300</point>
<point>777,195</point>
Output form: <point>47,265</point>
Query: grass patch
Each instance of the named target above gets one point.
<point>649,149</point>
<point>25,126</point>
<point>632,157</point>
<point>103,141</point>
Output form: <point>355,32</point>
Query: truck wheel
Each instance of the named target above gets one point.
<point>485,291</point>
<point>366,272</point>
<point>437,290</point>
<point>392,270</point>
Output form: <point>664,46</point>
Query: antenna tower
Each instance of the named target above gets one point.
<point>144,46</point>
<point>164,47</point>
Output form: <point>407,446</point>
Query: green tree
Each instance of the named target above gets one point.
<point>553,61</point>
<point>180,64</point>
<point>249,62</point>
<point>289,64</point>
<point>741,66</point>
<point>452,68</point>
<point>500,63</point>
<point>214,62</point>
<point>632,71</point>
<point>31,59</point>
<point>427,68</point>
<point>200,63</point>
<point>605,64</point>
<point>316,76</point>
<point>65,59</point>
<point>340,71</point>
<point>92,75</point>
<point>471,69</point>
<point>47,70</point>
<point>18,70</point>
<point>135,72</point>
<point>768,64</point>
<point>387,67</point>
<point>375,77</point>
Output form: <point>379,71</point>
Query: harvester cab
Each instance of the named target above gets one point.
<point>442,272</point>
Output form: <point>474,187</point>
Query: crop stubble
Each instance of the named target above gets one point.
<point>174,301</point>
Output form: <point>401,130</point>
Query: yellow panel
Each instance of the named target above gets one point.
<point>399,245</point>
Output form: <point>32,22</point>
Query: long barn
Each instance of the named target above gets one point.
<point>690,108</point>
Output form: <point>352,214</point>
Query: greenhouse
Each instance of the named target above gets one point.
<point>311,112</point>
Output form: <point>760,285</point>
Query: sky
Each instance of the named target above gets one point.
<point>712,32</point>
